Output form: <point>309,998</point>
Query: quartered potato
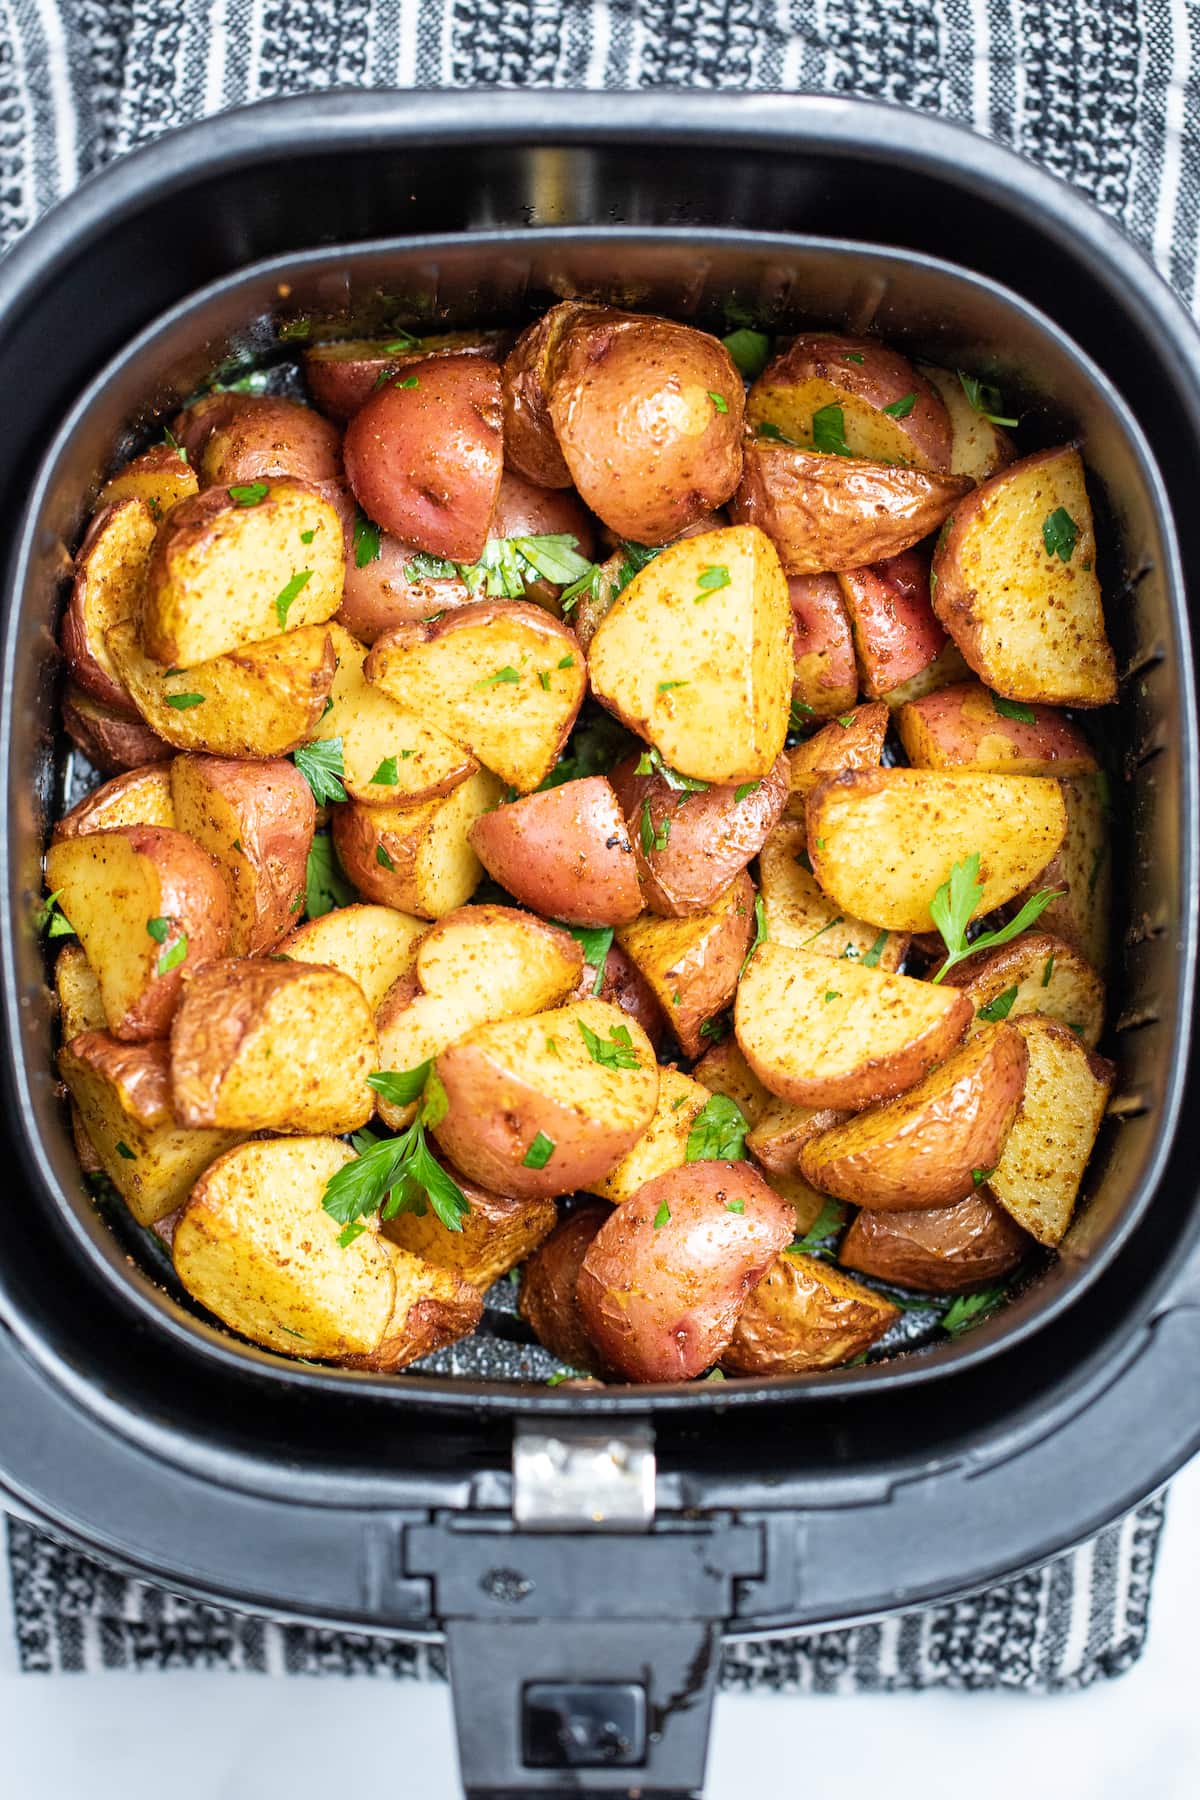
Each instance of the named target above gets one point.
<point>110,574</point>
<point>417,858</point>
<point>1036,973</point>
<point>805,1314</point>
<point>344,373</point>
<point>374,945</point>
<point>547,1300</point>
<point>724,1070</point>
<point>138,797</point>
<point>530,444</point>
<point>496,1235</point>
<point>80,1007</point>
<point>159,476</point>
<point>693,964</point>
<point>269,438</point>
<point>800,916</point>
<point>1082,872</point>
<point>256,821</point>
<point>825,673</point>
<point>977,447</point>
<point>862,379</point>
<point>948,666</point>
<point>852,741</point>
<point>391,755</point>
<point>966,726</point>
<point>896,635</point>
<point>622,982</point>
<point>108,738</point>
<point>942,1249</point>
<point>566,852</point>
<point>782,1130</point>
<point>1037,1177</point>
<point>663,1144</point>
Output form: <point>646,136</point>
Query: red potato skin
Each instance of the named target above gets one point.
<point>822,646</point>
<point>712,838</point>
<point>109,740</point>
<point>339,385</point>
<point>878,375</point>
<point>895,632</point>
<point>193,427</point>
<point>95,811</point>
<point>87,672</point>
<point>269,437</point>
<point>425,462</point>
<point>624,985</point>
<point>941,1250</point>
<point>953,728</point>
<point>278,816</point>
<point>564,853</point>
<point>547,1300</point>
<point>530,445</point>
<point>661,1303</point>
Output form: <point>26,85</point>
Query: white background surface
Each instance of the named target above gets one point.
<point>219,1737</point>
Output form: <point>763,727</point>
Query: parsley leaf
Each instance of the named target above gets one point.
<point>829,431</point>
<point>744,791</point>
<point>900,409</point>
<point>1000,1007</point>
<point>799,714</point>
<point>325,887</point>
<point>400,1087</point>
<point>665,687</point>
<point>321,765</point>
<point>617,1054</point>
<point>173,954</point>
<point>826,1225</point>
<point>987,401</point>
<point>651,763</point>
<point>289,593</point>
<point>652,838</point>
<point>368,540</point>
<point>597,941</point>
<point>508,565</point>
<point>1060,534</point>
<point>539,1152</point>
<point>423,567</point>
<point>1012,709</point>
<point>749,350</point>
<point>971,1309</point>
<point>396,1174</point>
<point>760,932</point>
<point>383,859</point>
<point>181,702</point>
<point>403,341</point>
<point>979,1176</point>
<point>387,774</point>
<point>506,675</point>
<point>955,902</point>
<point>1048,971</point>
<point>871,959</point>
<point>710,579</point>
<point>718,1132</point>
<point>51,919</point>
<point>407,381</point>
<point>662,1216</point>
<point>719,401</point>
<point>249,493</point>
<point>767,428</point>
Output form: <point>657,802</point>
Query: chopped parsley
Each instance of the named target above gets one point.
<point>398,1174</point>
<point>287,595</point>
<point>124,1151</point>
<point>744,791</point>
<point>173,953</point>
<point>662,1216</point>
<point>719,401</point>
<point>760,932</point>
<point>871,959</point>
<point>1012,709</point>
<point>971,1309</point>
<point>1060,534</point>
<point>651,763</point>
<point>665,687</point>
<point>51,919</point>
<point>987,401</point>
<point>383,859</point>
<point>368,540</point>
<point>181,702</point>
<point>502,676</point>
<point>710,579</point>
<point>539,1152</point>
<point>387,774</point>
<point>1000,1007</point>
<point>325,887</point>
<point>900,409</point>
<point>617,1053</point>
<point>322,767</point>
<point>749,350</point>
<point>249,493</point>
<point>829,431</point>
<point>718,1132</point>
<point>597,941</point>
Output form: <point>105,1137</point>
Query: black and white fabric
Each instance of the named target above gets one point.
<point>1106,96</point>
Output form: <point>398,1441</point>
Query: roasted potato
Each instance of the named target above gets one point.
<point>664,1279</point>
<point>424,455</point>
<point>895,632</point>
<point>688,847</point>
<point>799,916</point>
<point>946,668</point>
<point>1015,584</point>
<point>805,1314</point>
<point>344,373</point>
<point>663,1144</point>
<point>565,852</point>
<point>838,512</point>
<point>77,992</point>
<point>854,740</point>
<point>530,444</point>
<point>110,740</point>
<point>391,755</point>
<point>841,1034</point>
<point>1082,870</point>
<point>269,438</point>
<point>138,797</point>
<point>272,1045</point>
<point>852,382</point>
<point>110,574</point>
<point>692,964</point>
<point>256,820</point>
<point>499,676</point>
<point>374,945</point>
<point>417,858</point>
<point>825,673</point>
<point>544,1105</point>
<point>149,907</point>
<point>194,425</point>
<point>1036,973</point>
<point>724,1070</point>
<point>978,446</point>
<point>622,982</point>
<point>695,656</point>
<point>496,1235</point>
<point>1041,1166</point>
<point>546,1300</point>
<point>966,726</point>
<point>933,1144</point>
<point>883,841</point>
<point>942,1249</point>
<point>160,476</point>
<point>781,1131</point>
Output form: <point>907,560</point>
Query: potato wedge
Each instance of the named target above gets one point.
<point>882,841</point>
<point>500,677</point>
<point>940,1249</point>
<point>838,512</point>
<point>392,756</point>
<point>497,1234</point>
<point>122,1093</point>
<point>544,1105</point>
<point>149,907</point>
<point>110,574</point>
<point>1083,868</point>
<point>724,1070</point>
<point>695,656</point>
<point>854,740</point>
<point>256,820</point>
<point>806,1202</point>
<point>77,991</point>
<point>374,945</point>
<point>1037,1178</point>
<point>271,438</point>
<point>344,373</point>
<point>692,964</point>
<point>825,673</point>
<point>935,1143</point>
<point>896,634</point>
<point>108,738</point>
<point>665,1277</point>
<point>433,1307</point>
<point>1036,973</point>
<point>1015,584</point>
<point>228,571</point>
<point>805,1314</point>
<point>977,447</point>
<point>138,797</point>
<point>273,1046</point>
<point>530,444</point>
<point>160,476</point>
<point>547,1301</point>
<point>841,1034</point>
<point>801,917</point>
<point>417,858</point>
<point>663,1144</point>
<point>782,1130</point>
<point>965,726</point>
<point>861,378</point>
<point>259,701</point>
<point>688,847</point>
<point>946,668</point>
<point>566,853</point>
<point>623,983</point>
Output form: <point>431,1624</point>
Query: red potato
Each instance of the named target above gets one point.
<point>826,680</point>
<point>803,1315</point>
<point>854,740</point>
<point>698,843</point>
<point>862,378</point>
<point>256,819</point>
<point>565,853</point>
<point>940,1249</point>
<point>137,797</point>
<point>110,573</point>
<point>271,436</point>
<point>547,1299</point>
<point>529,441</point>
<point>664,1279</point>
<point>344,374</point>
<point>967,726</point>
<point>424,455</point>
<point>106,737</point>
<point>692,964</point>
<point>896,635</point>
<point>193,427</point>
<point>623,984</point>
<point>160,476</point>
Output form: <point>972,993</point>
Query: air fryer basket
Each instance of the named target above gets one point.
<point>399,1503</point>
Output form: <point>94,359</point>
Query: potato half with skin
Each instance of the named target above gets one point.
<point>1082,870</point>
<point>896,634</point>
<point>582,1076</point>
<point>695,656</point>
<point>530,444</point>
<point>946,668</point>
<point>225,573</point>
<point>110,573</point>
<point>123,1096</point>
<point>692,964</point>
<point>825,674</point>
<point>883,841</point>
<point>689,847</point>
<point>939,1249</point>
<point>862,378</point>
<point>262,700</point>
<point>424,455</point>
<point>801,917</point>
<point>498,1233</point>
<point>1036,973</point>
<point>805,1314</point>
<point>838,512</point>
<point>77,992</point>
<point>648,417</point>
<point>108,738</point>
<point>854,740</point>
<point>840,1034</point>
<point>566,853</point>
<point>257,821</point>
<point>343,374</point>
<point>977,447</point>
<point>160,476</point>
<point>273,1046</point>
<point>138,797</point>
<point>664,1143</point>
<point>622,982</point>
<point>417,858</point>
<point>967,727</point>
<point>194,425</point>
<point>149,907</point>
<point>547,1301</point>
<point>267,439</point>
<point>664,1279</point>
<point>1042,1165</point>
<point>255,1246</point>
<point>781,1132</point>
<point>1015,584</point>
<point>724,1070</point>
<point>933,1144</point>
<point>374,945</point>
<point>391,755</point>
<point>499,676</point>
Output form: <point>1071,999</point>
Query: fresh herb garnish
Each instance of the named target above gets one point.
<point>170,439</point>
<point>744,791</point>
<point>1060,534</point>
<point>124,1151</point>
<point>501,677</point>
<point>1048,971</point>
<point>565,662</point>
<point>383,859</point>
<point>51,919</point>
<point>749,350</point>
<point>398,1174</point>
<point>719,401</point>
<point>821,930</point>
<point>651,838</point>
<point>971,1309</point>
<point>979,1176</point>
<point>597,941</point>
<point>423,567</point>
<point>845,720</point>
<point>815,1241</point>
<point>1000,1007</point>
<point>1012,709</point>
<point>651,763</point>
<point>829,431</point>
<point>715,1029</point>
<point>173,954</point>
<point>509,565</point>
<point>831,994</point>
<point>618,1053</point>
<point>710,579</point>
<point>665,687</point>
<point>325,887</point>
<point>852,356</point>
<point>407,381</point>
<point>718,1132</point>
<point>735,1206</point>
<point>249,493</point>
<point>322,767</point>
<point>871,959</point>
<point>290,593</point>
<point>405,341</point>
<point>799,713</point>
<point>181,702</point>
<point>368,540</point>
<point>539,1152</point>
<point>306,537</point>
<point>767,428</point>
<point>987,401</point>
<point>954,904</point>
<point>900,409</point>
<point>662,1216</point>
<point>760,932</point>
<point>387,774</point>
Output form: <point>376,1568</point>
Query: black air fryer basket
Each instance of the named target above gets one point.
<point>584,1552</point>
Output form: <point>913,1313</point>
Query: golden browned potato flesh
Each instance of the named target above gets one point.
<point>801,917</point>
<point>782,1130</point>
<point>1066,1091</point>
<point>496,1235</point>
<point>852,741</point>
<point>883,841</point>
<point>374,945</point>
<point>1036,973</point>
<point>110,574</point>
<point>417,858</point>
<point>256,820</point>
<point>1082,871</point>
<point>840,1034</point>
<point>138,797</point>
<point>724,1070</point>
<point>966,726</point>
<point>978,447</point>
<point>805,1314</point>
<point>391,755</point>
<point>940,1249</point>
<point>861,378</point>
<point>547,1299</point>
<point>1016,586</point>
<point>663,1144</point>
<point>160,476</point>
<point>692,964</point>
<point>948,666</point>
<point>262,1045</point>
<point>110,739</point>
<point>77,991</point>
<point>237,566</point>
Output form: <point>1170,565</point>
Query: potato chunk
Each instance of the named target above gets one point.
<point>110,572</point>
<point>374,945</point>
<point>77,991</point>
<point>663,1145</point>
<point>692,964</point>
<point>978,447</point>
<point>861,378</point>
<point>1082,871</point>
<point>256,821</point>
<point>160,476</point>
<point>942,1249</point>
<point>805,1314</point>
<point>547,1299</point>
<point>390,754</point>
<point>497,1234</point>
<point>417,858</point>
<point>138,797</point>
<point>852,741</point>
<point>1066,1091</point>
<point>1036,973</point>
<point>965,726</point>
<point>801,917</point>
